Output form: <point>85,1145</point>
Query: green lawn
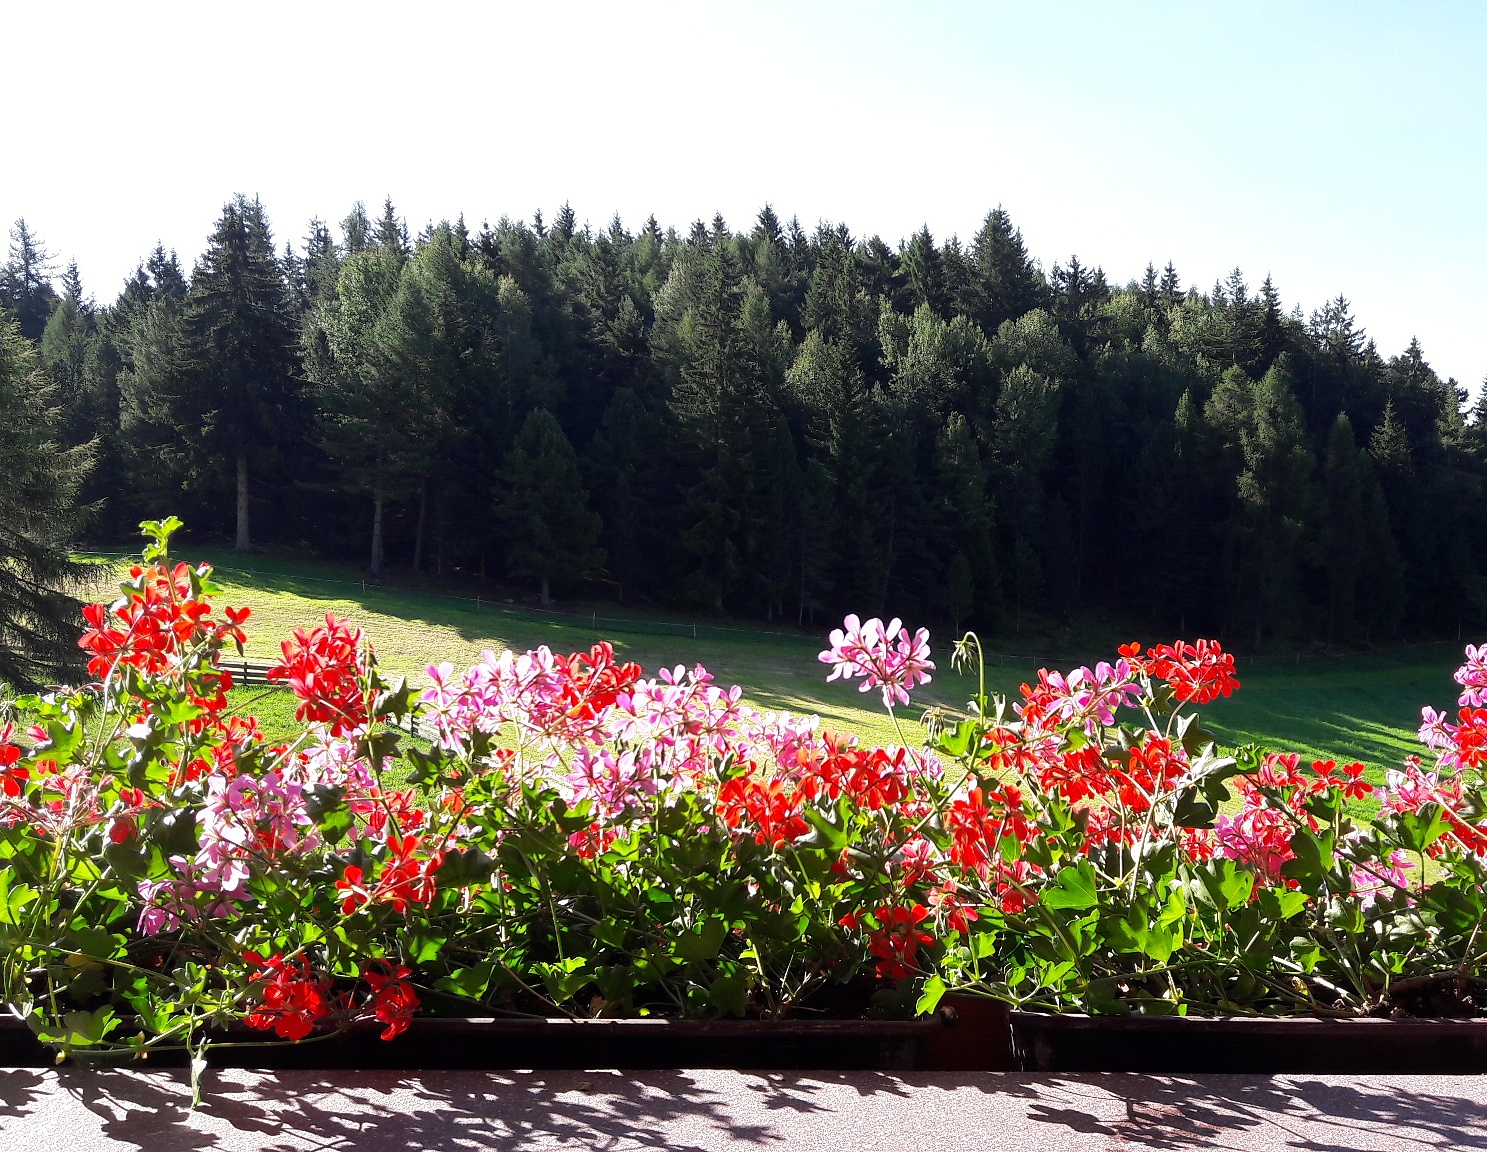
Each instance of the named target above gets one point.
<point>1359,707</point>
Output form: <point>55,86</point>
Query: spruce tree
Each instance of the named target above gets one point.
<point>779,482</point>
<point>622,466</point>
<point>550,532</point>
<point>1263,427</point>
<point>968,522</point>
<point>1345,531</point>
<point>923,273</point>
<point>1005,283</point>
<point>241,404</point>
<point>960,591</point>
<point>39,478</point>
<point>26,290</point>
<point>364,394</point>
<point>65,347</point>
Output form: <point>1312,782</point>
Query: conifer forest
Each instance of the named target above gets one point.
<point>771,422</point>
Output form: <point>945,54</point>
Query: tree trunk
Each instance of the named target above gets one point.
<point>546,591</point>
<point>800,618</point>
<point>244,540</point>
<point>423,516</point>
<point>376,565</point>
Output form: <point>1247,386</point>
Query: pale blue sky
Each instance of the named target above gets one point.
<point>1337,146</point>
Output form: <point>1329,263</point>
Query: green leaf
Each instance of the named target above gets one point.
<point>956,742</point>
<point>1075,887</point>
<point>423,949</point>
<point>833,836</point>
<point>79,1029</point>
<point>98,943</point>
<point>702,942</point>
<point>131,860</point>
<point>730,994</point>
<point>1417,831</point>
<point>464,868</point>
<point>469,982</point>
<point>394,701</point>
<point>929,999</point>
<point>564,978</point>
<point>1223,885</point>
<point>1313,855</point>
<point>1276,904</point>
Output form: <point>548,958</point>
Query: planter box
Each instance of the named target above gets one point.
<point>1073,1043</point>
<point>978,1040</point>
<point>966,1035</point>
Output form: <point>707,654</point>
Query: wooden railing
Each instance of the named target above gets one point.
<point>249,672</point>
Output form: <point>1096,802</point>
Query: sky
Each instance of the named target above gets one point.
<point>1338,147</point>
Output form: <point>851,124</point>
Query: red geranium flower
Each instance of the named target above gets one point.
<point>291,1000</point>
<point>393,1000</point>
<point>898,940</point>
<point>1199,673</point>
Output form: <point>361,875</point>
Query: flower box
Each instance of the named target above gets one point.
<point>1070,1042</point>
<point>649,873</point>
<point>976,1038</point>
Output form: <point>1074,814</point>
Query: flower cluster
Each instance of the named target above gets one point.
<point>323,668</point>
<point>578,836</point>
<point>884,655</point>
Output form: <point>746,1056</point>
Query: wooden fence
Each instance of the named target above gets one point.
<point>249,672</point>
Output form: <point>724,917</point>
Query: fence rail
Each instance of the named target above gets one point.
<point>248,672</point>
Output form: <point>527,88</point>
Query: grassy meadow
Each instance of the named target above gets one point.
<point>1360,707</point>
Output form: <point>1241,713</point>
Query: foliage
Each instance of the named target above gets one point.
<point>38,520</point>
<point>550,529</point>
<point>779,422</point>
<point>580,839</point>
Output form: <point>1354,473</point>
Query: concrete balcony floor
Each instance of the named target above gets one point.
<point>73,1110</point>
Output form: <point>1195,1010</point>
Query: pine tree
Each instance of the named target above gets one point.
<point>322,263</point>
<point>623,463</point>
<point>716,400</point>
<point>1005,282</point>
<point>960,591</point>
<point>38,521</point>
<point>1263,426</point>
<point>835,305</point>
<point>837,409</point>
<point>149,323</point>
<point>968,519</point>
<point>1390,445</point>
<point>923,273</point>
<point>391,233</point>
<point>356,230</point>
<point>26,290</point>
<point>241,404</point>
<point>65,347</point>
<point>1272,326</point>
<point>1171,287</point>
<point>779,482</point>
<point>551,533</point>
<point>1383,596</point>
<point>1344,493</point>
<point>365,394</point>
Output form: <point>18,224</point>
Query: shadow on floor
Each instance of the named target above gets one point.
<point>399,1112</point>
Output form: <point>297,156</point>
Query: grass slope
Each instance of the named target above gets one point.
<point>1354,708</point>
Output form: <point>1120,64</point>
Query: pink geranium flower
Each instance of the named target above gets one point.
<point>885,656</point>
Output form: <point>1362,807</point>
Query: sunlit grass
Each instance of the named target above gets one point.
<point>1356,708</point>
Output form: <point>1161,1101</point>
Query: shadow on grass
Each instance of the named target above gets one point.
<point>386,1111</point>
